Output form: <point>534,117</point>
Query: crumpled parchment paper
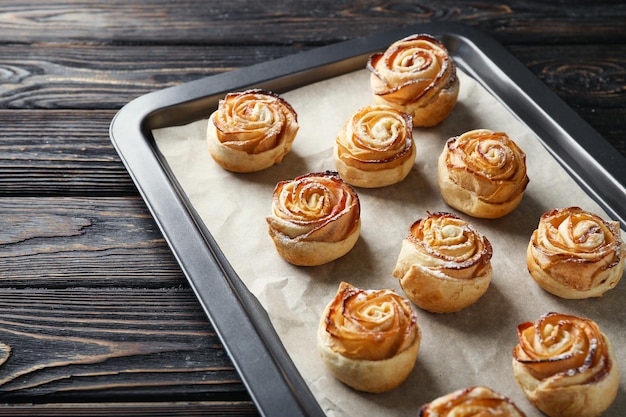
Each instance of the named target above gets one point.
<point>471,347</point>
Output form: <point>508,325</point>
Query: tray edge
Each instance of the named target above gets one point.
<point>130,132</point>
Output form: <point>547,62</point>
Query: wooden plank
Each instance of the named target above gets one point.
<point>156,409</point>
<point>60,153</point>
<point>48,76</point>
<point>589,78</point>
<point>196,21</point>
<point>119,344</point>
<point>83,242</point>
<point>591,75</point>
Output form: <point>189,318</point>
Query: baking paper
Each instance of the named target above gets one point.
<point>458,350</point>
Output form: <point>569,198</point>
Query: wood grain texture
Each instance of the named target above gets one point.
<point>98,315</point>
<point>116,343</point>
<point>130,409</point>
<point>59,152</point>
<point>48,76</point>
<point>286,22</point>
<point>591,79</point>
<point>83,242</point>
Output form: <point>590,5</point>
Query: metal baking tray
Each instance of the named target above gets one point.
<point>240,321</point>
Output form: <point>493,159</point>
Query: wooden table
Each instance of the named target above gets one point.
<point>96,311</point>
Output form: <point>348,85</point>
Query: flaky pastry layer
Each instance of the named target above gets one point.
<point>575,254</point>
<point>375,147</point>
<point>566,366</point>
<point>417,76</point>
<point>251,131</point>
<point>444,264</point>
<point>482,173</point>
<point>369,339</point>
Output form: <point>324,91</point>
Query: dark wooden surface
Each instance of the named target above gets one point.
<point>97,313</point>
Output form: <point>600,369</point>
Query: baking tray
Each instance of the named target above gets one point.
<point>239,320</point>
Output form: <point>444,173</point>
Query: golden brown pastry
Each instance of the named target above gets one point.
<point>417,76</point>
<point>566,366</point>
<point>474,401</point>
<point>375,148</point>
<point>482,173</point>
<point>575,254</point>
<point>444,264</point>
<point>251,130</point>
<point>316,218</point>
<point>369,339</point>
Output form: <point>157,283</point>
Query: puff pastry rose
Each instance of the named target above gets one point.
<point>566,366</point>
<point>482,173</point>
<point>575,254</point>
<point>251,130</point>
<point>315,219</point>
<point>375,148</point>
<point>444,264</point>
<point>369,339</point>
<point>474,401</point>
<point>416,75</point>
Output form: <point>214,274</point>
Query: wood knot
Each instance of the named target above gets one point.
<point>5,351</point>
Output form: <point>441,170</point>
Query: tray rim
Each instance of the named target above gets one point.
<point>593,163</point>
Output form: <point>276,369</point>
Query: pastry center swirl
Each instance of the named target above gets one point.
<point>382,131</point>
<point>450,239</point>
<point>251,113</point>
<point>412,60</point>
<point>319,207</point>
<point>575,231</point>
<point>559,344</point>
<point>493,153</point>
<point>309,201</point>
<point>370,324</point>
<point>490,156</point>
<point>585,234</point>
<point>254,121</point>
<point>314,201</point>
<point>376,135</point>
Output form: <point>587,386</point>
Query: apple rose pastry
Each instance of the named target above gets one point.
<point>316,218</point>
<point>482,173</point>
<point>575,254</point>
<point>444,264</point>
<point>369,339</point>
<point>566,366</point>
<point>474,401</point>
<point>375,148</point>
<point>417,76</point>
<point>251,130</point>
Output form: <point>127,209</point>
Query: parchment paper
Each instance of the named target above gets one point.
<point>472,347</point>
